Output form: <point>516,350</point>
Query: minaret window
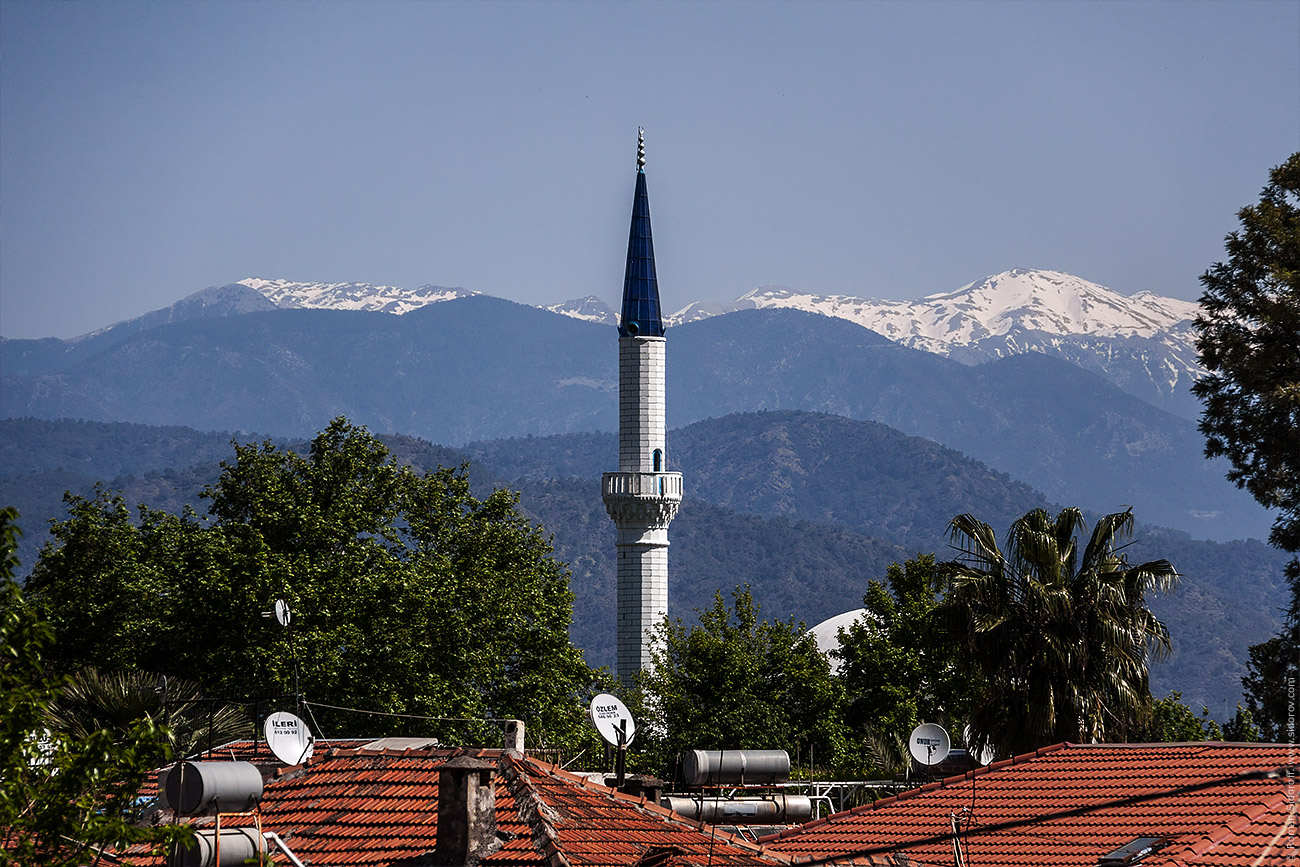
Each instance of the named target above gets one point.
<point>659,461</point>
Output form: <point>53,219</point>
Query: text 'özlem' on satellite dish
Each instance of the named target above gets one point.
<point>289,738</point>
<point>929,744</point>
<point>611,717</point>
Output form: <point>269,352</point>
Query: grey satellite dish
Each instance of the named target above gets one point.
<point>282,612</point>
<point>984,756</point>
<point>289,738</point>
<point>929,744</point>
<point>612,718</point>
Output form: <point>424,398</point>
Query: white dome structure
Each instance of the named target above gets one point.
<point>827,633</point>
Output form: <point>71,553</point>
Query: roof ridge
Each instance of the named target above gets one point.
<point>923,789</point>
<point>537,815</point>
<point>1153,745</point>
<point>641,802</point>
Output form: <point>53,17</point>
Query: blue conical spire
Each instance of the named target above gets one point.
<point>640,288</point>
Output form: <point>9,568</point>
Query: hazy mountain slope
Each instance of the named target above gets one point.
<point>51,355</point>
<point>795,569</point>
<point>452,372</point>
<point>1058,428</point>
<point>863,476</point>
<point>855,476</point>
<point>477,368</point>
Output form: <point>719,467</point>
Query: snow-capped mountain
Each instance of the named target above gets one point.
<point>589,309</point>
<point>1017,300</point>
<point>352,296</point>
<point>1143,343</point>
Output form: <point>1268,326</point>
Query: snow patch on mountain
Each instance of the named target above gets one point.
<point>1013,301</point>
<point>352,296</point>
<point>1144,343</point>
<point>589,309</point>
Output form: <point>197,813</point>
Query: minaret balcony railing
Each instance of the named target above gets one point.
<point>647,486</point>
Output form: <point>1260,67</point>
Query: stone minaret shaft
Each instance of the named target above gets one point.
<point>642,497</point>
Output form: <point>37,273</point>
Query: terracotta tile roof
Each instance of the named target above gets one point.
<point>1069,805</point>
<point>380,807</point>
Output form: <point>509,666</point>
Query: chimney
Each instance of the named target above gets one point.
<point>514,735</point>
<point>467,814</point>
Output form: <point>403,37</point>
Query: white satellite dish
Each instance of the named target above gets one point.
<point>289,738</point>
<point>929,744</point>
<point>282,612</point>
<point>611,717</point>
<point>984,756</point>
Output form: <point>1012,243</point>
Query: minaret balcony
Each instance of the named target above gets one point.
<point>642,498</point>
<point>649,486</point>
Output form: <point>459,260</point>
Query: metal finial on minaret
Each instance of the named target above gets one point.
<point>640,149</point>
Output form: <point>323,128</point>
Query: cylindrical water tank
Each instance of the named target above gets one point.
<point>785,809</point>
<point>238,846</point>
<point>735,767</point>
<point>194,788</point>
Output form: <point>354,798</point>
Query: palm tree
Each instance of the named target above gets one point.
<point>1061,640</point>
<point>92,700</point>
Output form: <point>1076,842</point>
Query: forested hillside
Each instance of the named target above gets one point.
<point>806,508</point>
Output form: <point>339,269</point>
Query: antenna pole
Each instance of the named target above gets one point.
<point>620,769</point>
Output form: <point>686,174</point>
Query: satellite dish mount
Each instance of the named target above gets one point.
<point>929,744</point>
<point>615,724</point>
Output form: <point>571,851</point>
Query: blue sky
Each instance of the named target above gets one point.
<point>889,150</point>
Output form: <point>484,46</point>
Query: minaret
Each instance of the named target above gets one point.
<point>642,497</point>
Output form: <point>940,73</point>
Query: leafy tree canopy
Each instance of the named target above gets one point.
<point>736,681</point>
<point>1058,633</point>
<point>62,798</point>
<point>409,595</point>
<point>897,667</point>
<point>1248,337</point>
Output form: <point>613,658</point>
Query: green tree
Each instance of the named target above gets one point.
<point>1241,728</point>
<point>897,667</point>
<point>736,681</point>
<point>1248,338</point>
<point>1270,674</point>
<point>91,700</point>
<point>1059,637</point>
<point>62,798</point>
<point>410,596</point>
<point>1172,721</point>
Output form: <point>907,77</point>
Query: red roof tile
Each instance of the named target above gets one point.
<point>365,807</point>
<point>1069,805</point>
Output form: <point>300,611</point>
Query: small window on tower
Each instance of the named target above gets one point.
<point>659,461</point>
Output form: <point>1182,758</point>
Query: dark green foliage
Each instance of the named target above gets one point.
<point>1174,722</point>
<point>115,701</point>
<point>1249,340</point>
<point>62,797</point>
<point>897,666</point>
<point>1059,636</point>
<point>1241,727</point>
<point>1271,681</point>
<point>410,594</point>
<point>736,681</point>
